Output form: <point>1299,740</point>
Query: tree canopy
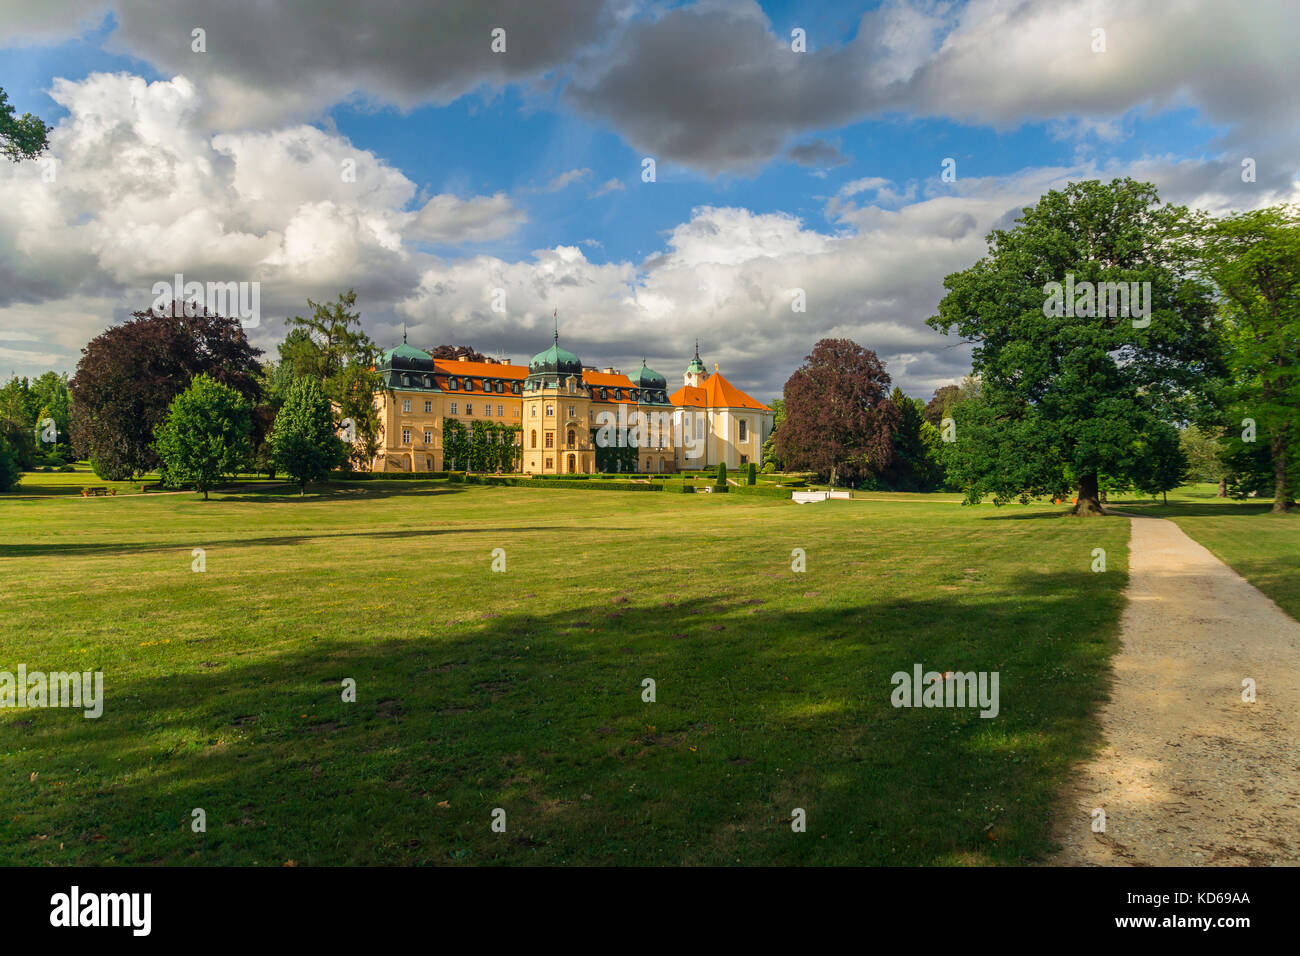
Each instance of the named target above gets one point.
<point>21,137</point>
<point>1092,333</point>
<point>206,436</point>
<point>303,439</point>
<point>838,417</point>
<point>128,376</point>
<point>1254,260</point>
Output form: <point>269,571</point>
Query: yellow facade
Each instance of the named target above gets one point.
<point>561,407</point>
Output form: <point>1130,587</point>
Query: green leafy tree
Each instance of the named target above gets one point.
<point>1204,454</point>
<point>768,453</point>
<point>331,347</point>
<point>10,472</point>
<point>17,422</point>
<point>1254,260</point>
<point>206,436</point>
<point>914,466</point>
<point>1072,390</point>
<point>303,440</point>
<point>21,137</point>
<point>1164,463</point>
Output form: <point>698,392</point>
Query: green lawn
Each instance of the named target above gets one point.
<point>522,690</point>
<point>70,483</point>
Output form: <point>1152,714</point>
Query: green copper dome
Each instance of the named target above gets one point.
<point>404,351</point>
<point>648,378</point>
<point>697,365</point>
<point>407,352</point>
<point>555,359</point>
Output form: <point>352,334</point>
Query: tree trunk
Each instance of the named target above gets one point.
<point>1088,504</point>
<point>1280,496</point>
<point>1223,488</point>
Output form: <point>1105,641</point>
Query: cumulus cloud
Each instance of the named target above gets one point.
<point>297,209</point>
<point>713,86</point>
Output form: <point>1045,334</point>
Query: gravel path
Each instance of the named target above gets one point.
<point>1191,774</point>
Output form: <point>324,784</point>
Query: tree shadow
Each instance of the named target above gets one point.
<point>126,548</point>
<point>764,702</point>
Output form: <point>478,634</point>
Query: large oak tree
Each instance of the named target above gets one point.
<point>1069,394</point>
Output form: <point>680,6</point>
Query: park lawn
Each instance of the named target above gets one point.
<point>46,483</point>
<point>523,690</point>
<point>1263,548</point>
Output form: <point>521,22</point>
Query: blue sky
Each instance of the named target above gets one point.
<point>522,171</point>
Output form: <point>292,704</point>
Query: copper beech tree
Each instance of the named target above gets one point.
<point>838,420</point>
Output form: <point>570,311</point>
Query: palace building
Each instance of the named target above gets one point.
<point>571,418</point>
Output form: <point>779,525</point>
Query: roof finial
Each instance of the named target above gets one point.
<point>556,316</point>
<point>697,348</point>
<point>403,333</point>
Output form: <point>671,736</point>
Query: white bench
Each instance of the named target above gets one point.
<point>839,494</point>
<point>806,497</point>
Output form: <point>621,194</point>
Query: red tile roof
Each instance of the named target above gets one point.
<point>716,392</point>
<point>488,369</point>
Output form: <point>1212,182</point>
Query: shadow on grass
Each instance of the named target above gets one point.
<point>763,704</point>
<point>273,541</point>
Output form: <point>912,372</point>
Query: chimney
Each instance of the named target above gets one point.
<point>609,371</point>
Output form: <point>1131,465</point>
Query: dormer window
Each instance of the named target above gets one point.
<point>453,383</point>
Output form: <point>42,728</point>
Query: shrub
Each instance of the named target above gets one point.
<point>752,476</point>
<point>722,475</point>
<point>769,467</point>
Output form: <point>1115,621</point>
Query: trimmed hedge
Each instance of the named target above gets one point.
<point>389,475</point>
<point>519,482</point>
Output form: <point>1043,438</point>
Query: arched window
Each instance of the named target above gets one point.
<point>534,438</point>
<point>573,438</point>
<point>534,411</point>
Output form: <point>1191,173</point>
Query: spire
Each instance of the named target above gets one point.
<point>403,333</point>
<point>697,349</point>
<point>556,316</point>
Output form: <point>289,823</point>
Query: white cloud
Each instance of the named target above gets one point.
<point>144,190</point>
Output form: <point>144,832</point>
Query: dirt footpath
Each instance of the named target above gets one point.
<point>1191,774</point>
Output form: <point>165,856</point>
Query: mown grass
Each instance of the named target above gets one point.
<point>523,690</point>
<point>43,484</point>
